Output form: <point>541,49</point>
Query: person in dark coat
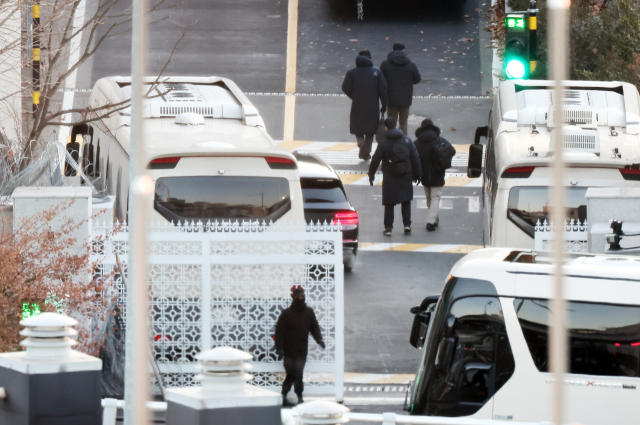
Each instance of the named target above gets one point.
<point>401,74</point>
<point>366,87</point>
<point>427,135</point>
<point>395,189</point>
<point>292,341</point>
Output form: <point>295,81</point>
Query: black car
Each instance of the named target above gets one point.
<point>325,199</point>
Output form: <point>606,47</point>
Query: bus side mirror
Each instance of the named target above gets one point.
<point>419,328</point>
<point>421,321</point>
<point>445,353</point>
<point>474,167</point>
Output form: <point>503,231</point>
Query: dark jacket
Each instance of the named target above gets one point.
<point>395,189</point>
<point>401,74</point>
<point>427,136</point>
<point>364,85</point>
<point>292,331</point>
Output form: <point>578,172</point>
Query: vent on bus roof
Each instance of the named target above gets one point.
<point>179,92</point>
<point>575,139</point>
<point>580,117</point>
<point>205,111</point>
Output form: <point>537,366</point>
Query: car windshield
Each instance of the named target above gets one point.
<point>528,205</point>
<point>322,191</point>
<point>210,198</point>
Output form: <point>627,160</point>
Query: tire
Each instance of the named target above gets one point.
<point>349,261</point>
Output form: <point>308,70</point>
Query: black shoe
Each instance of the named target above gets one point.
<point>435,225</point>
<point>300,399</point>
<point>367,157</point>
<point>286,402</point>
<point>407,230</point>
<point>387,231</point>
<point>431,227</point>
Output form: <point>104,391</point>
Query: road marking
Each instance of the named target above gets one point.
<point>358,178</point>
<point>362,401</point>
<point>341,147</point>
<point>291,71</point>
<point>474,204</point>
<point>289,118</point>
<point>293,144</point>
<point>411,247</point>
<point>344,95</point>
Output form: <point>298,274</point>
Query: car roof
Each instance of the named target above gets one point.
<point>311,166</point>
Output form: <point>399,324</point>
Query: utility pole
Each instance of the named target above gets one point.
<point>137,332</point>
<point>35,49</point>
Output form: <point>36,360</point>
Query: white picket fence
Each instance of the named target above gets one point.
<point>225,284</point>
<point>575,236</point>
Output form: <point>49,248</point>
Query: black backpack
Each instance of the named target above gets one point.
<point>399,161</point>
<point>444,154</point>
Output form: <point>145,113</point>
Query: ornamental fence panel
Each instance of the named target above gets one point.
<point>225,284</point>
<point>576,236</point>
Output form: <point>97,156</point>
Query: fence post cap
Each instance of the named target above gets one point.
<point>320,412</point>
<point>48,320</point>
<point>224,354</point>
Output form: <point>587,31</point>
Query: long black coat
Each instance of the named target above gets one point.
<point>401,74</point>
<point>364,85</point>
<point>395,189</point>
<point>428,136</point>
<point>292,331</point>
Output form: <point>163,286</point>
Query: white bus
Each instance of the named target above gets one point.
<point>207,149</point>
<point>600,142</point>
<point>486,340</point>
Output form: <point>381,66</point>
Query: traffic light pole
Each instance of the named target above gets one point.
<point>533,36</point>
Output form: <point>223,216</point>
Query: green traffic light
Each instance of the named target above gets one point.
<point>515,69</point>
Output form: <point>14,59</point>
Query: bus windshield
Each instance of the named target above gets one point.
<point>528,205</point>
<point>604,339</point>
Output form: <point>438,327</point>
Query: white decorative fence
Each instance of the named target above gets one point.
<point>224,284</point>
<point>575,236</point>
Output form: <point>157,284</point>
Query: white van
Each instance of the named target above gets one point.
<point>601,143</point>
<point>486,339</point>
<point>207,149</point>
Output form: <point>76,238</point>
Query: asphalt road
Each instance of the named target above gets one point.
<point>246,41</point>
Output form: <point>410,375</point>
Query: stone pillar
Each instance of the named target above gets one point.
<point>225,397</point>
<point>49,383</point>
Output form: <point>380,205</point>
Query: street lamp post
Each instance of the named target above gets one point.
<point>558,48</point>
<point>137,335</point>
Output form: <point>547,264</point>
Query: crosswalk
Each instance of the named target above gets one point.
<point>418,247</point>
<point>359,178</point>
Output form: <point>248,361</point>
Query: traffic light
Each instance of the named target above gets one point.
<point>516,52</point>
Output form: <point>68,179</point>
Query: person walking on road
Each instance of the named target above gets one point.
<point>401,74</point>
<point>400,165</point>
<point>367,88</point>
<point>292,341</point>
<point>435,157</point>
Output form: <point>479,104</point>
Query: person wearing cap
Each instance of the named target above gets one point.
<point>396,187</point>
<point>292,341</point>
<point>367,88</point>
<point>401,74</point>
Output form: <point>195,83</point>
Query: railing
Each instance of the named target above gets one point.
<point>575,236</point>
<point>225,284</point>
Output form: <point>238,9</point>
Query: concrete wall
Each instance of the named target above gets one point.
<point>74,204</point>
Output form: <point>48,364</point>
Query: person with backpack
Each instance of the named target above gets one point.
<point>436,154</point>
<point>400,166</point>
<point>367,88</point>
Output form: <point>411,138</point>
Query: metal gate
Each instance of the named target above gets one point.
<point>225,284</point>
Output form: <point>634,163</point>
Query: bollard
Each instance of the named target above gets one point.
<point>320,412</point>
<point>50,383</point>
<point>225,397</point>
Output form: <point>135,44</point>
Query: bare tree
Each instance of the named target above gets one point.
<point>66,41</point>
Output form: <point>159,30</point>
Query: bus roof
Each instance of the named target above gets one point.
<point>230,124</point>
<point>611,279</point>
<point>601,123</point>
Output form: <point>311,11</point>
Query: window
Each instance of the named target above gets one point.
<point>480,363</point>
<point>604,339</point>
<point>222,198</point>
<point>322,191</point>
<point>528,205</point>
